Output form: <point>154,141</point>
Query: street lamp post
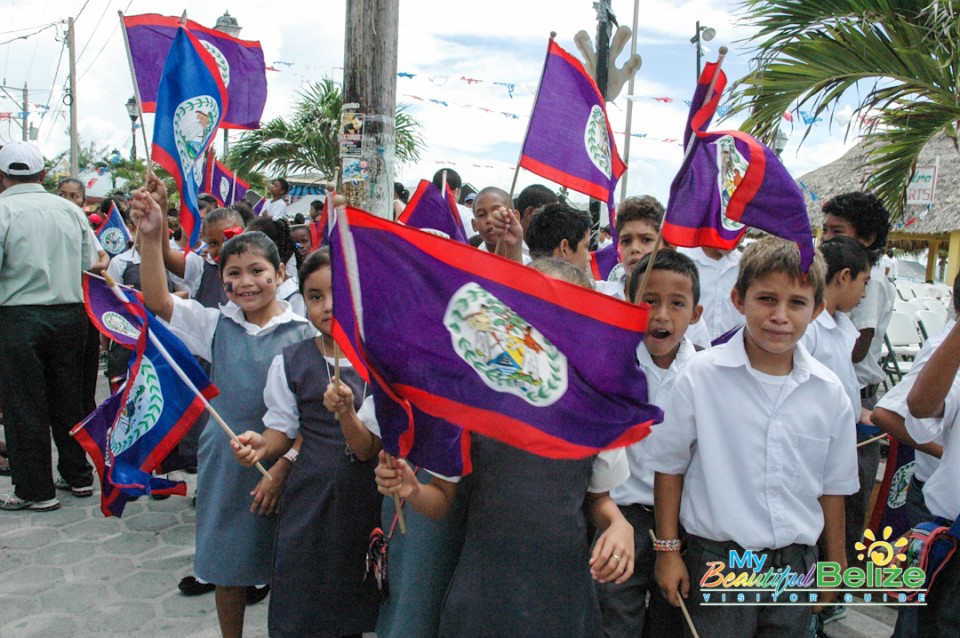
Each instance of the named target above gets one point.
<point>703,34</point>
<point>133,112</point>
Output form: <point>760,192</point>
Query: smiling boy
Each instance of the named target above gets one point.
<point>756,450</point>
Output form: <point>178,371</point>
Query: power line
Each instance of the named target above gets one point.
<point>36,26</point>
<point>109,38</point>
<point>81,10</point>
<point>94,32</point>
<point>29,35</point>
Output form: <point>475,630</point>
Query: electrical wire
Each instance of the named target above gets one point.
<point>109,38</point>
<point>79,13</point>
<point>36,26</point>
<point>29,35</point>
<point>94,32</point>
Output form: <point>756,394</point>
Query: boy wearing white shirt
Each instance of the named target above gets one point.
<point>755,451</point>
<point>673,292</point>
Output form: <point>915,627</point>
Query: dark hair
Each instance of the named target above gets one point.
<point>844,252</point>
<point>207,200</point>
<point>74,180</point>
<point>453,179</point>
<point>666,259</point>
<point>223,214</point>
<point>316,204</point>
<point>320,258</point>
<point>645,208</point>
<point>279,231</point>
<point>250,241</point>
<point>495,190</point>
<point>243,208</point>
<point>956,294</point>
<point>535,195</point>
<point>770,255</point>
<point>105,206</point>
<point>551,225</point>
<point>298,218</point>
<point>401,192</point>
<point>865,212</point>
<point>284,184</point>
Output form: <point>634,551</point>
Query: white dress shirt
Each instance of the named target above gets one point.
<point>275,209</point>
<point>830,339</point>
<point>754,468</point>
<point>874,311</point>
<point>940,493</point>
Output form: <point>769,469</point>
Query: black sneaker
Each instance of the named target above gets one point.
<point>190,586</point>
<point>256,594</point>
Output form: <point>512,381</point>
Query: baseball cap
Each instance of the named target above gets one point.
<point>20,158</point>
<point>469,198</point>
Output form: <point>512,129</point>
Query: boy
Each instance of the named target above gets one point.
<point>277,207</point>
<point>673,292</point>
<point>755,450</point>
<point>491,216</point>
<point>562,232</point>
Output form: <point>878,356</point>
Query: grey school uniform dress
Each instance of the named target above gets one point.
<point>330,506</point>
<point>523,570</point>
<point>235,545</point>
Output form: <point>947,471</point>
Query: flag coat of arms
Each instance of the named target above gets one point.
<point>191,102</point>
<point>222,183</point>
<point>509,343</point>
<point>569,139</point>
<point>429,210</point>
<point>113,318</point>
<point>729,180</point>
<point>112,233</point>
<point>150,37</point>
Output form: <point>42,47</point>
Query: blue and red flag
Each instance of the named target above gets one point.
<point>729,180</point>
<point>112,233</point>
<point>321,228</point>
<point>92,434</point>
<point>112,317</point>
<point>222,183</point>
<point>569,139</point>
<point>191,102</point>
<point>150,37</point>
<point>509,342</point>
<point>428,209</point>
<point>889,508</point>
<point>258,207</point>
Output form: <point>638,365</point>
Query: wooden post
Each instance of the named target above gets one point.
<point>933,254</point>
<point>370,80</point>
<point>953,258</point>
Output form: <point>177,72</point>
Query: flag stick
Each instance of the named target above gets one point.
<point>683,606</point>
<point>398,504</point>
<point>642,288</point>
<point>136,95</point>
<point>873,440</point>
<point>183,376</point>
<point>516,169</point>
<point>336,363</point>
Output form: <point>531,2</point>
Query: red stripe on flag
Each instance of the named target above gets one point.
<point>561,177</point>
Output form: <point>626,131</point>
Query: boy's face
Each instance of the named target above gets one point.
<point>672,310</point>
<point>835,226</point>
<point>482,222</point>
<point>777,309</point>
<point>851,290</point>
<point>213,236</point>
<point>636,242</point>
<point>276,190</point>
<point>302,237</point>
<point>578,255</point>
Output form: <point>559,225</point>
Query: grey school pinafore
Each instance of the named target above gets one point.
<point>235,545</point>
<point>330,506</point>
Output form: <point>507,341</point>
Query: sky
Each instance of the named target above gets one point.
<point>474,75</point>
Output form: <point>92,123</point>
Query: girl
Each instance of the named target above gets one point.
<point>279,231</point>
<point>234,545</point>
<point>523,569</point>
<point>330,503</point>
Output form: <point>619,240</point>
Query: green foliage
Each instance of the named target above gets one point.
<point>900,60</point>
<point>307,139</point>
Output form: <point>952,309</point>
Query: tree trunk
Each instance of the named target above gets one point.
<point>370,82</point>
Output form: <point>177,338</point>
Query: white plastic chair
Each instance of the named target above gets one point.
<point>904,335</point>
<point>908,308</point>
<point>931,290</point>
<point>937,307</point>
<point>931,323</point>
<point>905,290</point>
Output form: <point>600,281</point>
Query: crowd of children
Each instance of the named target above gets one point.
<point>757,450</point>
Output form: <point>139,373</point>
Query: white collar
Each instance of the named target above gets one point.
<point>234,312</point>
<point>733,354</point>
<point>684,353</point>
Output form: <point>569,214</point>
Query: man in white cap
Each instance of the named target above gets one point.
<point>44,248</point>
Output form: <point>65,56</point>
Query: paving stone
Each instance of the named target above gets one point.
<point>147,585</point>
<point>18,607</point>
<point>173,564</point>
<point>66,552</point>
<point>61,517</point>
<point>98,530</point>
<point>12,560</point>
<point>180,536</point>
<point>29,580</point>
<point>102,569</point>
<point>172,504</point>
<point>28,538</point>
<point>42,626</point>
<point>150,521</point>
<point>11,520</point>
<point>123,617</point>
<point>73,598</point>
<point>180,606</point>
<point>133,543</point>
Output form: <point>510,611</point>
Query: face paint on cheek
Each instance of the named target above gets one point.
<point>228,287</point>
<point>269,281</point>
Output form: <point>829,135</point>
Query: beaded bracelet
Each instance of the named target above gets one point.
<point>672,545</point>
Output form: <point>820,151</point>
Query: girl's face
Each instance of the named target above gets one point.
<point>302,237</point>
<point>213,235</point>
<point>71,192</point>
<point>251,281</point>
<point>318,296</point>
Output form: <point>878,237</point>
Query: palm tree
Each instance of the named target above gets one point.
<point>900,59</point>
<point>307,141</point>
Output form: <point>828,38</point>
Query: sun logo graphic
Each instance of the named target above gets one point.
<point>881,552</point>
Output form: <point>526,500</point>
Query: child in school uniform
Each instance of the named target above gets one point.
<point>234,546</point>
<point>330,501</point>
<point>673,292</point>
<point>755,451</point>
<point>279,231</point>
<point>522,570</point>
<point>934,406</point>
<point>638,223</point>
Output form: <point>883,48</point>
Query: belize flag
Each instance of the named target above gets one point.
<point>729,180</point>
<point>191,102</point>
<point>222,183</point>
<point>150,37</point>
<point>92,434</point>
<point>429,210</point>
<point>889,509</point>
<point>115,319</point>
<point>112,233</point>
<point>569,140</point>
<point>508,340</point>
<point>258,207</point>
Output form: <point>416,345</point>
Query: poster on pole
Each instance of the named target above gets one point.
<point>351,134</point>
<point>922,189</point>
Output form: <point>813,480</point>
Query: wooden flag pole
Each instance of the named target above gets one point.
<point>873,440</point>
<point>136,95</point>
<point>183,377</point>
<point>397,504</point>
<point>642,288</point>
<point>683,606</point>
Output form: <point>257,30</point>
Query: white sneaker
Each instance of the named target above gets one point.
<point>12,503</point>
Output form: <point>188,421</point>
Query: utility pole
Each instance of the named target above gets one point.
<point>74,139</point>
<point>370,84</point>
<point>25,114</point>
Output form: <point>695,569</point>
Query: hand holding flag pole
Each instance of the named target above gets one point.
<point>642,288</point>
<point>183,375</point>
<point>683,606</point>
